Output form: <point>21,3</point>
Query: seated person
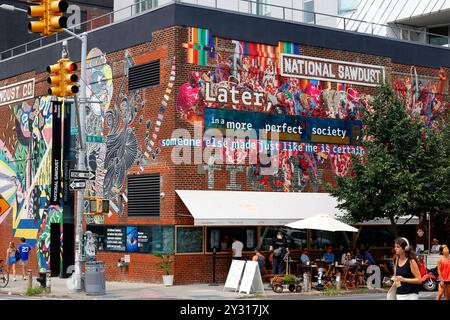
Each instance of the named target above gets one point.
<point>368,259</point>
<point>358,255</point>
<point>349,261</point>
<point>304,258</point>
<point>328,256</point>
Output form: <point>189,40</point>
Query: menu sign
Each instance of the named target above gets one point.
<point>144,239</point>
<point>115,239</point>
<point>331,70</point>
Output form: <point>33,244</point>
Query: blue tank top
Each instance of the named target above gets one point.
<point>405,272</point>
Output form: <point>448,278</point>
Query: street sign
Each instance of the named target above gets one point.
<point>81,174</point>
<point>4,205</point>
<point>78,185</point>
<point>96,139</point>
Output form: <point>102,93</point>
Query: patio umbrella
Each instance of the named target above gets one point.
<point>321,222</point>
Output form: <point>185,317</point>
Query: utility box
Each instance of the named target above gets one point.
<point>95,278</point>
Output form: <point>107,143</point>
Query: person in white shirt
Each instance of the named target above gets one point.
<point>436,246</point>
<point>236,249</point>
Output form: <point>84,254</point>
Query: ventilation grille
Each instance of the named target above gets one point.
<point>144,195</point>
<point>144,75</point>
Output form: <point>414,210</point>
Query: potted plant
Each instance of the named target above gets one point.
<point>166,265</point>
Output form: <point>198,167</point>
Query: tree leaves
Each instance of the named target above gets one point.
<point>405,170</point>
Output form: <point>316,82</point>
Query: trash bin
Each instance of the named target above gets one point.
<point>95,278</point>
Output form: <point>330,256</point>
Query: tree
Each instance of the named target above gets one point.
<point>404,171</point>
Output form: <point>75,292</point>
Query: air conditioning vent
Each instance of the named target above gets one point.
<point>144,195</point>
<point>144,75</point>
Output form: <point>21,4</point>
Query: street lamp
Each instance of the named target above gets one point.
<point>81,151</point>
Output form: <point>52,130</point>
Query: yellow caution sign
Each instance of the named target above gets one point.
<point>4,205</point>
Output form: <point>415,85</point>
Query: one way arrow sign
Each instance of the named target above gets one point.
<point>80,174</point>
<point>77,185</point>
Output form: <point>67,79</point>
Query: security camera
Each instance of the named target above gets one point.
<point>162,194</point>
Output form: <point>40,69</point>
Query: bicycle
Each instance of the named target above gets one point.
<point>4,276</point>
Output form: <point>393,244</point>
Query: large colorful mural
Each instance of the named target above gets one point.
<point>249,79</point>
<point>122,147</point>
<point>25,173</point>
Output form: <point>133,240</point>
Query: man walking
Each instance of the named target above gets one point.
<point>24,249</point>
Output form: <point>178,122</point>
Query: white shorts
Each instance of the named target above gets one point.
<point>410,296</point>
<point>22,262</point>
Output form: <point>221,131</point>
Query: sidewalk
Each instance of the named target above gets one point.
<point>149,291</point>
<point>141,290</point>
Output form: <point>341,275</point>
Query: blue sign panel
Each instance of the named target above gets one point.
<point>288,128</point>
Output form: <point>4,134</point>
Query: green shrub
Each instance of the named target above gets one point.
<point>289,278</point>
<point>35,291</point>
<point>331,291</point>
<point>165,263</point>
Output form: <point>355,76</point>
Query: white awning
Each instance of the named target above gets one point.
<point>231,208</point>
<point>385,222</point>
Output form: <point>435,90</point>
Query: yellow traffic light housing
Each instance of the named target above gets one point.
<point>56,19</point>
<point>55,79</point>
<point>97,206</point>
<point>63,78</point>
<point>50,14</point>
<point>70,78</point>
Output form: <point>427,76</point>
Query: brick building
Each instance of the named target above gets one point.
<point>161,82</point>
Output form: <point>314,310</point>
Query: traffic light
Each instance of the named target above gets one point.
<point>70,78</point>
<point>50,14</point>
<point>97,206</point>
<point>63,78</point>
<point>55,79</point>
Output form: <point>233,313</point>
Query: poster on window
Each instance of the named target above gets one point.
<point>250,238</point>
<point>144,239</point>
<point>215,239</point>
<point>132,239</point>
<point>116,238</point>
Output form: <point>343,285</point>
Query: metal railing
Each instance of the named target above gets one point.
<point>247,7</point>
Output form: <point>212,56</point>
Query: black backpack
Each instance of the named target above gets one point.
<point>17,255</point>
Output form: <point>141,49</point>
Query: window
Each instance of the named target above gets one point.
<point>189,239</point>
<point>383,236</point>
<point>308,17</point>
<point>439,36</point>
<point>346,6</point>
<point>222,238</point>
<point>296,238</point>
<point>139,239</point>
<point>144,195</point>
<point>319,239</point>
<point>143,5</point>
<point>260,7</point>
<point>144,75</point>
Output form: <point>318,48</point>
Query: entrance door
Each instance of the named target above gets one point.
<point>55,248</point>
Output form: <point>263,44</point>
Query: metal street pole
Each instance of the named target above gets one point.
<point>81,164</point>
<point>11,8</point>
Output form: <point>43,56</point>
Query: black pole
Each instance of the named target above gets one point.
<point>214,283</point>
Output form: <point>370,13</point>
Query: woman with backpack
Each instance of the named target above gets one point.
<point>11,258</point>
